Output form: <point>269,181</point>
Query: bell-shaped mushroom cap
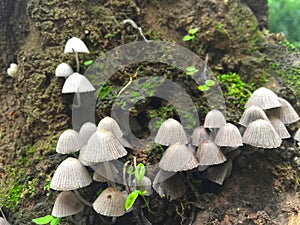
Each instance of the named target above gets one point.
<point>209,153</point>
<point>229,135</point>
<point>101,147</point>
<point>279,127</point>
<point>146,185</point>
<point>77,83</point>
<point>251,114</point>
<point>86,131</point>
<point>63,70</point>
<point>169,186</point>
<point>178,157</point>
<point>286,113</point>
<point>219,173</point>
<point>262,134</point>
<point>214,119</point>
<point>3,221</point>
<point>110,202</point>
<point>111,125</point>
<point>199,135</point>
<point>70,175</point>
<point>170,132</point>
<point>66,204</point>
<point>75,44</point>
<point>69,141</point>
<point>264,98</point>
<point>297,135</point>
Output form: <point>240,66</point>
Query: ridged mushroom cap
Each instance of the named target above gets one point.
<point>286,113</point>
<point>77,83</point>
<point>229,135</point>
<point>170,132</point>
<point>3,221</point>
<point>251,114</point>
<point>214,119</point>
<point>264,98</point>
<point>110,202</point>
<point>199,135</point>
<point>219,173</point>
<point>178,157</point>
<point>101,147</point>
<point>66,204</point>
<point>86,131</point>
<point>111,125</point>
<point>297,135</point>
<point>262,134</point>
<point>70,175</point>
<point>69,141</point>
<point>63,70</point>
<point>146,185</point>
<point>167,186</point>
<point>279,127</point>
<point>208,153</point>
<point>75,44</point>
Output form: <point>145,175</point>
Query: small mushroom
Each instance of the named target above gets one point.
<point>110,202</point>
<point>12,70</point>
<point>69,141</point>
<point>214,119</point>
<point>264,98</point>
<point>70,175</point>
<point>279,127</point>
<point>111,125</point>
<point>66,204</point>
<point>261,134</point>
<point>170,132</point>
<point>229,136</point>
<point>199,135</point>
<point>86,131</point>
<point>145,185</point>
<point>208,153</point>
<point>251,114</point>
<point>63,70</point>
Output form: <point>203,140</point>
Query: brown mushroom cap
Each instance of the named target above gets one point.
<point>70,175</point>
<point>110,202</point>
<point>264,98</point>
<point>214,119</point>
<point>251,114</point>
<point>178,157</point>
<point>279,127</point>
<point>69,141</point>
<point>262,134</point>
<point>208,153</point>
<point>170,132</point>
<point>229,135</point>
<point>66,204</point>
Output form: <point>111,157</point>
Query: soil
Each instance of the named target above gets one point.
<point>264,185</point>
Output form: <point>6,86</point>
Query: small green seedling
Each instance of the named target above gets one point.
<point>206,86</point>
<point>130,200</point>
<point>47,219</point>
<point>191,70</point>
<point>190,35</point>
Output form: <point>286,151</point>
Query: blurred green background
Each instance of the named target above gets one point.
<point>284,16</point>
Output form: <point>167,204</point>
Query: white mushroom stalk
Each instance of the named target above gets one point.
<point>134,25</point>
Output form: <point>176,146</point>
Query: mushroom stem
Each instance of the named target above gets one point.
<point>78,105</point>
<point>109,174</point>
<point>77,62</point>
<point>82,199</point>
<point>114,220</point>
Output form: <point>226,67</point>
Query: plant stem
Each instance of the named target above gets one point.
<point>82,199</point>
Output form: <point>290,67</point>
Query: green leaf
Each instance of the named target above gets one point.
<point>193,31</point>
<point>209,83</point>
<point>89,62</point>
<point>43,220</point>
<point>139,171</point>
<point>190,70</point>
<point>188,38</point>
<point>203,88</point>
<point>131,199</point>
<point>55,221</point>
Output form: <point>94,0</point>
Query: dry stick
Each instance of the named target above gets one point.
<point>82,199</point>
<point>124,176</point>
<point>129,82</point>
<point>2,213</point>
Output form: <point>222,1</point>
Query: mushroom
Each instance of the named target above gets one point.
<point>77,83</point>
<point>261,134</point>
<point>229,136</point>
<point>286,113</point>
<point>110,203</point>
<point>251,114</point>
<point>86,131</point>
<point>63,70</point>
<point>297,135</point>
<point>12,70</point>
<point>66,204</point>
<point>279,127</point>
<point>178,157</point>
<point>208,153</point>
<point>76,45</point>
<point>69,141</point>
<point>218,173</point>
<point>170,132</point>
<point>3,221</point>
<point>214,119</point>
<point>264,98</point>
<point>70,175</point>
<point>199,135</point>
